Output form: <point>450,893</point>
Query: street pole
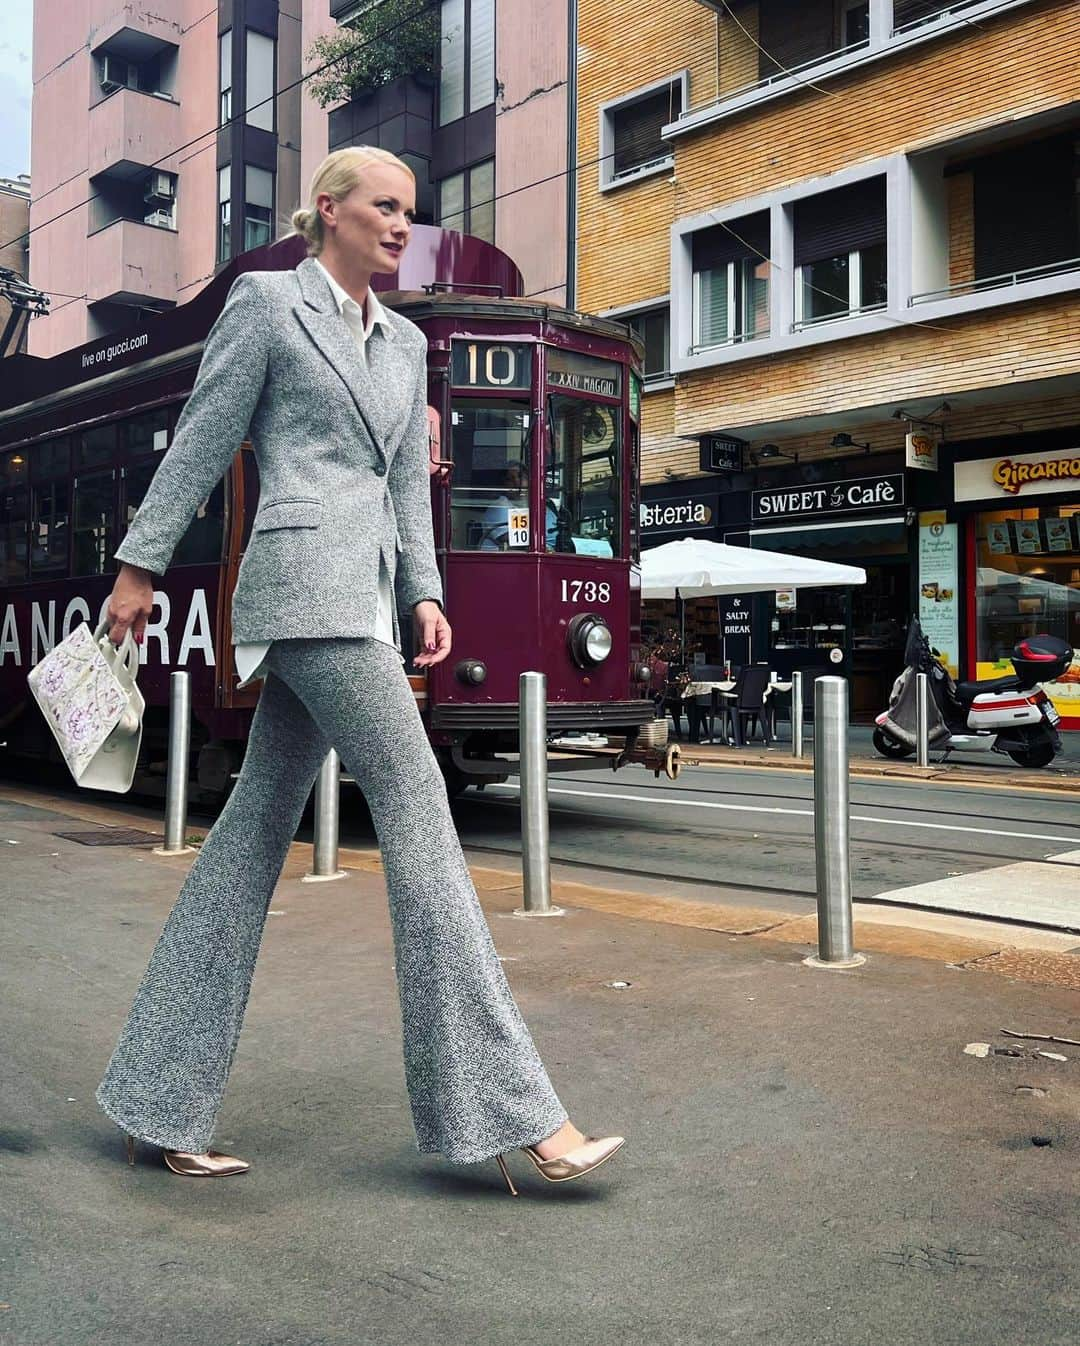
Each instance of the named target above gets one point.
<point>797,713</point>
<point>831,827</point>
<point>176,778</point>
<point>922,719</point>
<point>327,803</point>
<point>535,842</point>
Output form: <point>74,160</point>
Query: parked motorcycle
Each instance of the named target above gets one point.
<point>1011,715</point>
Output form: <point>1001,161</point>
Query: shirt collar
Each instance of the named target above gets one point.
<point>347,305</point>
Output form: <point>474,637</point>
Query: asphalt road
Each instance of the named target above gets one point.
<point>753,831</point>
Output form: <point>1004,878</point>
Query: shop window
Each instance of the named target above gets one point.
<point>148,433</point>
<point>467,66</point>
<point>14,517</point>
<point>94,524</point>
<point>259,97</point>
<point>653,328</point>
<point>258,206</point>
<point>581,477</point>
<point>731,281</point>
<point>1028,583</point>
<point>225,78</point>
<point>840,253</point>
<point>96,446</point>
<point>631,131</point>
<point>490,483</point>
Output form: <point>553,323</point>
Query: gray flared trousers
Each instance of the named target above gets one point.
<point>476,1084</point>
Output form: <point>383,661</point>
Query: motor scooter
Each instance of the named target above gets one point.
<point>1011,715</point>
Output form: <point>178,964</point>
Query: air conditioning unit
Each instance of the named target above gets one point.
<point>160,186</point>
<point>114,73</point>
<point>160,219</point>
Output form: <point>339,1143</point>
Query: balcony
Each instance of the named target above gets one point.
<point>129,262</point>
<point>132,130</point>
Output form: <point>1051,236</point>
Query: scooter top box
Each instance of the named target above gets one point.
<point>1041,659</point>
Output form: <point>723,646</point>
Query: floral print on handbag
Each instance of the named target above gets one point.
<point>86,690</point>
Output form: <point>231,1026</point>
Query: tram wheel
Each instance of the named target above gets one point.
<point>673,761</point>
<point>453,777</point>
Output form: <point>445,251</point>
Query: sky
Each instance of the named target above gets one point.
<point>16,31</point>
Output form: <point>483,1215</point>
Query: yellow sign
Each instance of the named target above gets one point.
<point>1012,477</point>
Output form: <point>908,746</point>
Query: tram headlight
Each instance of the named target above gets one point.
<point>472,672</point>
<point>590,640</point>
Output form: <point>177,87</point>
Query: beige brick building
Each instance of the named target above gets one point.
<point>14,220</point>
<point>838,223</point>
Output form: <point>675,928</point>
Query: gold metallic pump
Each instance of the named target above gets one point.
<point>575,1163</point>
<point>212,1164</point>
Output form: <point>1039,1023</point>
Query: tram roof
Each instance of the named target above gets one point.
<point>419,304</point>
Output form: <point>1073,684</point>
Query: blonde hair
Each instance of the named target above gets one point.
<point>338,174</point>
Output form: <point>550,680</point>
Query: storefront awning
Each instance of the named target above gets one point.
<point>698,568</point>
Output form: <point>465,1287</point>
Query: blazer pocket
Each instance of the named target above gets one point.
<point>288,514</point>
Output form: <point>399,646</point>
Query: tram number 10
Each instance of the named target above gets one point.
<point>573,591</point>
<point>486,364</point>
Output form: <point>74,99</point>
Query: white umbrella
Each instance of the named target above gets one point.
<point>695,568</point>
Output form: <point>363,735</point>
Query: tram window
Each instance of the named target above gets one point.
<point>50,526</point>
<point>95,447</point>
<point>148,433</point>
<point>202,541</point>
<point>489,495</point>
<point>14,517</point>
<point>581,477</point>
<point>93,524</point>
<point>51,459</point>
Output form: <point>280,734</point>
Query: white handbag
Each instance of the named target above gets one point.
<point>86,689</point>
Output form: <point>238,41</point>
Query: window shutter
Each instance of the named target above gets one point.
<point>917,11</point>
<point>1026,207</point>
<point>718,245</point>
<point>637,128</point>
<point>840,221</point>
<point>792,34</point>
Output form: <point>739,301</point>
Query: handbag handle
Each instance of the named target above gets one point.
<point>126,653</point>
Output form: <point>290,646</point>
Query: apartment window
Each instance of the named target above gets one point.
<point>224,247</point>
<point>259,85</point>
<point>225,78</point>
<point>840,253</point>
<point>159,199</point>
<point>1027,216</point>
<point>467,63</point>
<point>912,13</point>
<point>854,23</point>
<point>116,72</point>
<point>630,134</point>
<point>258,206</point>
<point>467,201</point>
<point>731,281</point>
<point>653,328</point>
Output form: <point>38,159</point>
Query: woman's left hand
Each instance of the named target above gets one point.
<point>433,632</point>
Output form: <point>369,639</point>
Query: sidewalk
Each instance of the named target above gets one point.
<point>990,769</point>
<point>811,1158</point>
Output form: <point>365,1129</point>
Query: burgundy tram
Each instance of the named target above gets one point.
<point>534,476</point>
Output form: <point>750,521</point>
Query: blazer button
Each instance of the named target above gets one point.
<point>380,469</point>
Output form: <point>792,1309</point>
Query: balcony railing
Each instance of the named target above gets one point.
<point>1000,282</point>
<point>909,16</point>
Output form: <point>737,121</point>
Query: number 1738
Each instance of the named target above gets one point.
<point>574,591</point>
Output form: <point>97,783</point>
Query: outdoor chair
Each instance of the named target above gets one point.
<point>701,710</point>
<point>746,702</point>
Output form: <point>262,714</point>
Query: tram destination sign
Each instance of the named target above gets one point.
<point>581,373</point>
<point>491,364</point>
<point>852,496</point>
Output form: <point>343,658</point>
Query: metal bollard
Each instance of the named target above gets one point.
<point>796,714</point>
<point>922,719</point>
<point>327,800</point>
<point>535,852</point>
<point>176,779</point>
<point>831,821</point>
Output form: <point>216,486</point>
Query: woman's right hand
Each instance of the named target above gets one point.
<point>130,603</point>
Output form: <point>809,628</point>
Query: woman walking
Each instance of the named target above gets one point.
<point>333,388</point>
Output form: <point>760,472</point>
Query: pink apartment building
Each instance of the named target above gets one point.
<point>168,137</point>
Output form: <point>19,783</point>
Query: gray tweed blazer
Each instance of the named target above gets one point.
<point>342,454</point>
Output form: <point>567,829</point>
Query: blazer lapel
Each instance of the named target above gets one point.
<point>329,331</point>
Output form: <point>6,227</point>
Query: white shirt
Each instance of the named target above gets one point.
<point>250,655</point>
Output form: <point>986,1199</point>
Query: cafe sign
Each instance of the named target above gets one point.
<point>837,497</point>
<point>1022,474</point>
<point>670,514</point>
